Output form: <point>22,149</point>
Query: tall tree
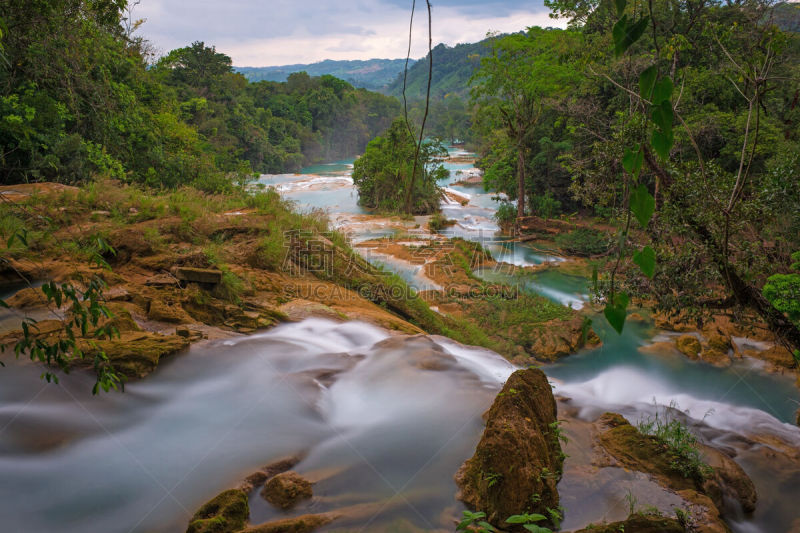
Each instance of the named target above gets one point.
<point>515,82</point>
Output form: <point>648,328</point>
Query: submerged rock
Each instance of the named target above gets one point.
<point>298,524</point>
<point>286,490</point>
<point>226,513</point>
<point>518,461</point>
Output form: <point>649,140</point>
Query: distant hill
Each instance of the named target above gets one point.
<point>372,74</point>
<point>787,16</point>
<point>452,69</point>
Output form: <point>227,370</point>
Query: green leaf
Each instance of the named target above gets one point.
<point>620,5</point>
<point>537,529</point>
<point>647,79</point>
<point>663,117</point>
<point>662,143</point>
<point>662,91</point>
<point>615,311</point>
<point>643,205</point>
<point>632,160</point>
<point>626,33</point>
<point>646,259</point>
<point>618,33</point>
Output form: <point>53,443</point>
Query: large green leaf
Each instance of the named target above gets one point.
<point>647,79</point>
<point>643,204</point>
<point>662,143</point>
<point>663,117</point>
<point>616,311</point>
<point>662,91</point>
<point>646,259</point>
<point>620,5</point>
<point>632,160</point>
<point>626,33</point>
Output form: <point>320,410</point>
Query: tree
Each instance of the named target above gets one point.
<point>382,174</point>
<point>515,82</point>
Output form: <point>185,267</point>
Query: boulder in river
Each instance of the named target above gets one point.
<point>286,490</point>
<point>518,461</point>
<point>638,523</point>
<point>226,513</point>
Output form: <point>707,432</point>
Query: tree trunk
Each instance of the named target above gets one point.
<point>520,182</point>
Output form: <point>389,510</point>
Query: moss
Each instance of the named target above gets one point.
<point>638,523</point>
<point>518,460</point>
<point>226,513</point>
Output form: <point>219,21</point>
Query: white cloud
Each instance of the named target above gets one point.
<point>278,32</point>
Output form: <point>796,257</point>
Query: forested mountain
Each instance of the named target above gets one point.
<point>372,74</point>
<point>78,99</point>
<point>452,69</point>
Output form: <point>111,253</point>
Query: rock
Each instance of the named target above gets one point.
<point>226,513</point>
<point>162,280</point>
<point>728,481</point>
<point>128,243</point>
<point>720,342</point>
<point>419,351</point>
<point>27,298</point>
<point>161,311</point>
<point>135,354</point>
<point>689,346</point>
<point>797,418</point>
<point>101,213</point>
<point>269,471</point>
<point>635,451</point>
<point>778,356</point>
<point>299,524</point>
<point>716,357</point>
<point>518,460</point>
<point>286,490</point>
<point>205,276</point>
<point>638,523</point>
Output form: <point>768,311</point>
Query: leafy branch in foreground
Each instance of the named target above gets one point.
<point>655,95</point>
<point>87,320</point>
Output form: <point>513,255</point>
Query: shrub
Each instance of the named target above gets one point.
<point>545,205</point>
<point>438,222</point>
<point>583,242</point>
<point>506,214</point>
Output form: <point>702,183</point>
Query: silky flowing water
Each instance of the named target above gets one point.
<point>379,422</point>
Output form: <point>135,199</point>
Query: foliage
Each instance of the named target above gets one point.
<point>510,90</point>
<point>783,291</point>
<point>583,242</point>
<point>506,214</point>
<point>680,443</point>
<point>475,522</point>
<point>545,205</point>
<point>78,99</point>
<point>383,173</point>
<point>528,521</point>
<point>88,320</point>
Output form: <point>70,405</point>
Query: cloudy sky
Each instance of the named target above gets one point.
<point>279,32</point>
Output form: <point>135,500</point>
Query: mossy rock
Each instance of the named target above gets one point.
<point>689,346</point>
<point>640,452</point>
<point>226,513</point>
<point>639,523</point>
<point>286,490</point>
<point>135,354</point>
<point>299,524</point>
<point>518,461</point>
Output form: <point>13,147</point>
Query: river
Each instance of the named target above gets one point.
<point>375,424</point>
